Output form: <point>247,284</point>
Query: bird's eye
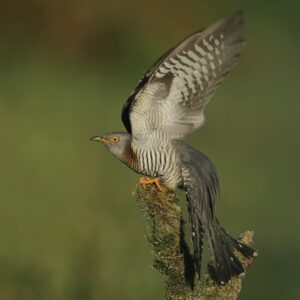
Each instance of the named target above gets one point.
<point>115,139</point>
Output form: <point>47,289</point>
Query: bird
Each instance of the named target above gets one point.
<point>167,106</point>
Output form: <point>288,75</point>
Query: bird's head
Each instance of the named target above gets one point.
<point>116,142</point>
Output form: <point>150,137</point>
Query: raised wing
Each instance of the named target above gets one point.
<point>172,95</point>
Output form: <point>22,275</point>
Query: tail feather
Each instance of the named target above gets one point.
<point>196,233</point>
<point>201,186</point>
<point>225,264</point>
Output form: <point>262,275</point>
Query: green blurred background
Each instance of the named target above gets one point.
<point>69,225</point>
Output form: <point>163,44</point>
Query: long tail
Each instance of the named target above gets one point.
<point>201,186</point>
<point>225,264</point>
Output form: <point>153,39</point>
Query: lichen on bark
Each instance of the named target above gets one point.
<point>172,257</point>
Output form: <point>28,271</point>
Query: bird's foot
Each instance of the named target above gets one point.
<point>146,180</point>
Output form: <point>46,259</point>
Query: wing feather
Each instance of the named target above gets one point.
<point>172,95</point>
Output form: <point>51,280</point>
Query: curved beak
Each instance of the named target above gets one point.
<point>99,139</point>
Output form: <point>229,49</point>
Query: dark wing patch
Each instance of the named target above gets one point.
<point>126,107</point>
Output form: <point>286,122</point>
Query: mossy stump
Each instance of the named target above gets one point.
<point>171,254</point>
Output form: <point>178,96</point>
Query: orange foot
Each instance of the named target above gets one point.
<point>146,180</point>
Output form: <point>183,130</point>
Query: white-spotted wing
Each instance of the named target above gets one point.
<point>170,99</point>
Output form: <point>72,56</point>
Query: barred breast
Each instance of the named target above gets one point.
<point>158,160</point>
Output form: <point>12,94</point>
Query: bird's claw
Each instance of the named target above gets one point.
<point>146,180</point>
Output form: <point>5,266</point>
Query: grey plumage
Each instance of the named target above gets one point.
<point>201,182</point>
<point>167,105</point>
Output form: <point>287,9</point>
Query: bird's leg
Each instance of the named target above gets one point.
<point>146,180</point>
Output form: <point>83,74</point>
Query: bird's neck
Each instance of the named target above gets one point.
<point>129,157</point>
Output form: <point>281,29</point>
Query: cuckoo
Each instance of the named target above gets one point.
<point>168,105</point>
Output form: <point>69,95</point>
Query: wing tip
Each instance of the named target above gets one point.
<point>239,13</point>
<point>239,16</point>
